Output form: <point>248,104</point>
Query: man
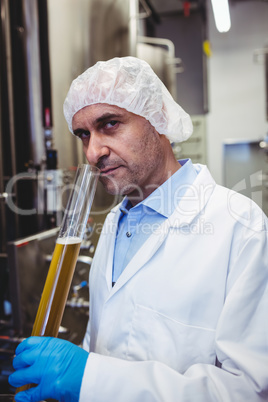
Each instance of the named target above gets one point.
<point>178,286</point>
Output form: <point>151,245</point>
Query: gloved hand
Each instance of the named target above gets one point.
<point>55,365</point>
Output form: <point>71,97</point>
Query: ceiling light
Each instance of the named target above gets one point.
<point>221,15</point>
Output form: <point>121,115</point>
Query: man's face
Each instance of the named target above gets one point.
<point>125,147</point>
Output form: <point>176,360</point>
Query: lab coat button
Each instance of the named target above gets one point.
<point>128,234</point>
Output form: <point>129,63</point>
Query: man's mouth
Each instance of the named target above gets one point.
<point>108,170</point>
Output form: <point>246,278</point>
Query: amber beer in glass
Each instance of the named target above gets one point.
<point>57,286</point>
<point>60,274</point>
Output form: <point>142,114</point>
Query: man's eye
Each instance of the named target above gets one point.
<point>84,135</point>
<point>111,123</point>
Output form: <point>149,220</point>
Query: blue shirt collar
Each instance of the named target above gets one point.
<point>164,199</point>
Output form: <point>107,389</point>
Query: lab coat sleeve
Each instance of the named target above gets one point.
<point>241,345</point>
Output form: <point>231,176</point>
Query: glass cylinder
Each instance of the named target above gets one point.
<point>62,266</point>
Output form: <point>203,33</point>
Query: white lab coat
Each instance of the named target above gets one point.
<point>187,319</point>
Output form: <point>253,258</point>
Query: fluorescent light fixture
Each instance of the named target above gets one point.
<point>221,15</point>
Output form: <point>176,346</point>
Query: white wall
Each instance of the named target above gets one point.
<point>236,82</point>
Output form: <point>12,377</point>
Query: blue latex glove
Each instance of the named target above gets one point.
<point>55,365</point>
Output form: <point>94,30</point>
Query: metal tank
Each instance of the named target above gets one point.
<point>80,34</point>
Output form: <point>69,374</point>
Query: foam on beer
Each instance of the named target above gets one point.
<point>68,240</point>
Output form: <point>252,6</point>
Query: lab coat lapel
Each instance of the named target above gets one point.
<point>192,203</point>
<point>148,249</point>
<point>108,242</point>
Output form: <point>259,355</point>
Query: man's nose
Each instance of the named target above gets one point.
<point>96,148</point>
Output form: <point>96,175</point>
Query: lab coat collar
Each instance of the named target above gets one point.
<point>194,199</point>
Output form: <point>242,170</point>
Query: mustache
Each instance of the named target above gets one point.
<point>105,163</point>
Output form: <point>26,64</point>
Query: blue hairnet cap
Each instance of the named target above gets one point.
<point>129,83</point>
